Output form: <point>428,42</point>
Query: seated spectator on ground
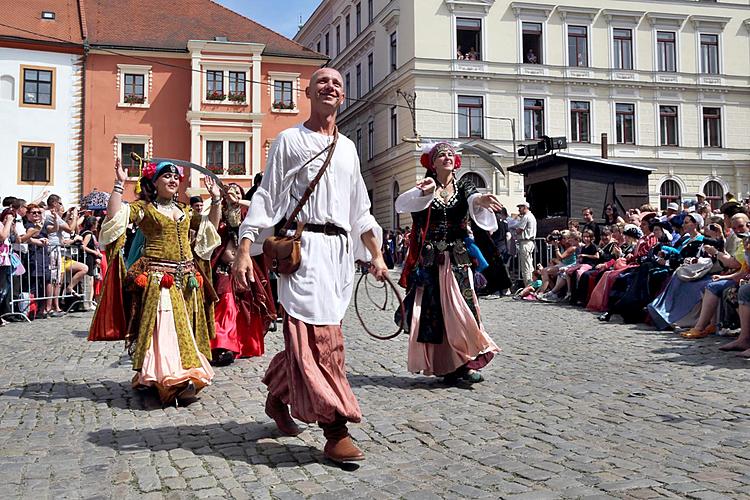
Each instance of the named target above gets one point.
<point>705,325</point>
<point>742,343</point>
<point>560,259</point>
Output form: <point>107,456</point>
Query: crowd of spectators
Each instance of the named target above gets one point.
<point>49,257</point>
<point>683,269</point>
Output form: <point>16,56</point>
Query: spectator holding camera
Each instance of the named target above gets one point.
<point>564,254</point>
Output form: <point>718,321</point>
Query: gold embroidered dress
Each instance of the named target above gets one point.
<point>167,296</point>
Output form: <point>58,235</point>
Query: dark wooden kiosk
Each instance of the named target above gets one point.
<point>559,185</point>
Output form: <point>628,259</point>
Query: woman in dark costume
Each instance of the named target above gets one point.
<point>447,337</point>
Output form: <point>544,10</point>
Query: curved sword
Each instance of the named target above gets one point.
<point>193,166</point>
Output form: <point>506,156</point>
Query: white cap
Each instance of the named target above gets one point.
<point>698,218</point>
<point>524,204</point>
<point>673,206</point>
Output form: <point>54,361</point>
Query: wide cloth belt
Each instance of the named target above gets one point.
<point>328,229</point>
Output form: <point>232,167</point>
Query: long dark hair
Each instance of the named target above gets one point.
<point>615,214</point>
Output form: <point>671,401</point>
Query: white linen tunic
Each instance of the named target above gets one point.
<point>319,292</point>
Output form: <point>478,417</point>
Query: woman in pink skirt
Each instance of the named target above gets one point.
<point>447,337</point>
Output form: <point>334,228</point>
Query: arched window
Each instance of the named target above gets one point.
<point>395,215</point>
<point>476,179</point>
<point>714,194</point>
<point>7,87</point>
<point>669,192</point>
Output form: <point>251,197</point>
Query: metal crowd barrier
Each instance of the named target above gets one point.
<point>45,274</point>
<point>542,255</point>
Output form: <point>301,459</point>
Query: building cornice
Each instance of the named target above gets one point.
<point>664,19</point>
<point>390,19</point>
<point>569,13</point>
<point>532,9</point>
<point>225,47</point>
<point>623,16</point>
<point>709,22</point>
<point>469,6</point>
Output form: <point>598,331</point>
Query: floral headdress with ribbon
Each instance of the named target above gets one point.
<point>431,151</point>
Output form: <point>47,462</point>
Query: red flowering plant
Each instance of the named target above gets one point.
<point>237,96</point>
<point>237,169</point>
<point>215,95</point>
<point>283,105</point>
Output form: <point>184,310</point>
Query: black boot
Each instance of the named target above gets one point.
<point>604,316</point>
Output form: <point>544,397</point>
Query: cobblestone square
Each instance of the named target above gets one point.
<point>572,408</point>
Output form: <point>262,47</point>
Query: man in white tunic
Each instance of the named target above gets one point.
<point>310,374</point>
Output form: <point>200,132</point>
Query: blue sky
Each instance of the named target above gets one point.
<point>279,15</point>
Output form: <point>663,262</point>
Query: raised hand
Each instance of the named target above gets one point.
<point>489,201</point>
<point>120,174</point>
<point>212,187</point>
<point>426,185</point>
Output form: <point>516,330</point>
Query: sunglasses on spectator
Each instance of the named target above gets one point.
<point>36,212</point>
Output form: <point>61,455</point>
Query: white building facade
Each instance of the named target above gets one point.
<point>41,130</point>
<point>667,81</point>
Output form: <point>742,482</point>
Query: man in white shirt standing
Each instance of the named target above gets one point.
<point>310,374</point>
<point>526,232</point>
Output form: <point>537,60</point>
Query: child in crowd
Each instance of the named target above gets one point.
<point>529,293</point>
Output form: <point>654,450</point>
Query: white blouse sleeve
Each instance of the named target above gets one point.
<point>269,202</point>
<point>413,201</point>
<point>206,239</point>
<point>361,220</point>
<point>114,227</point>
<point>484,217</point>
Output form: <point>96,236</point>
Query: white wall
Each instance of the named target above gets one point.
<point>60,126</point>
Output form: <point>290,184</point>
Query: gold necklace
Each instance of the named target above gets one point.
<point>444,194</point>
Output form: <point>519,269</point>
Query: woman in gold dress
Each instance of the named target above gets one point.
<point>167,297</point>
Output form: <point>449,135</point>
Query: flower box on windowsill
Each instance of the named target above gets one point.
<point>236,170</point>
<point>215,96</point>
<point>216,169</point>
<point>134,99</point>
<point>284,107</point>
<point>237,97</point>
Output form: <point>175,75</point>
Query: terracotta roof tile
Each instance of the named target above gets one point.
<point>24,21</point>
<point>169,24</point>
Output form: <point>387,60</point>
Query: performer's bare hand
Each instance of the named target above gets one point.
<point>426,185</point>
<point>489,201</point>
<point>242,268</point>
<point>378,268</point>
<point>120,173</point>
<point>212,187</point>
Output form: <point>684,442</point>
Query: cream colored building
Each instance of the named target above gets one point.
<point>666,80</point>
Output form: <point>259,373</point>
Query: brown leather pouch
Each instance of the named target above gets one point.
<point>282,254</point>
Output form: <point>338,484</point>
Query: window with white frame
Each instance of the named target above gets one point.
<point>578,46</point>
<point>133,83</point>
<point>712,127</point>
<point>226,155</point>
<point>347,89</point>
<point>468,38</point>
<point>470,116</point>
<point>284,88</point>
<point>358,142</point>
<point>714,194</point>
<point>668,125</point>
<point>237,80</point>
<point>580,121</point>
<point>709,53</point>
<point>666,51</point>
<point>215,85</point>
<point>369,11</point>
<point>338,39</point>
<point>394,126</point>
<point>370,72</point>
<point>370,140</point>
<point>347,29</point>
<point>126,145</point>
<point>625,123</point>
<point>532,43</point>
<point>622,42</point>
<point>669,192</point>
<point>358,17</point>
<point>393,51</point>
<point>533,118</point>
<point>358,79</point>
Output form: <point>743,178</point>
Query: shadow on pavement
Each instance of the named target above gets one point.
<point>402,382</point>
<point>114,394</point>
<point>230,440</point>
<point>698,352</point>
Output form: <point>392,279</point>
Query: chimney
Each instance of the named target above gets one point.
<point>605,147</point>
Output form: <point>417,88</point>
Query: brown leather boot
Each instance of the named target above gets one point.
<point>343,450</point>
<point>278,411</point>
<point>339,446</point>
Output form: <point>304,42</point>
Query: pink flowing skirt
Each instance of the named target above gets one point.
<point>464,341</point>
<point>234,332</point>
<point>599,300</point>
<point>310,373</point>
<point>162,365</point>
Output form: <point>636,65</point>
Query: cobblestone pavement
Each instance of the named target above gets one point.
<point>572,408</point>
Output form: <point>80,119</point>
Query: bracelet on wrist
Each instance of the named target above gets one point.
<point>215,201</point>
